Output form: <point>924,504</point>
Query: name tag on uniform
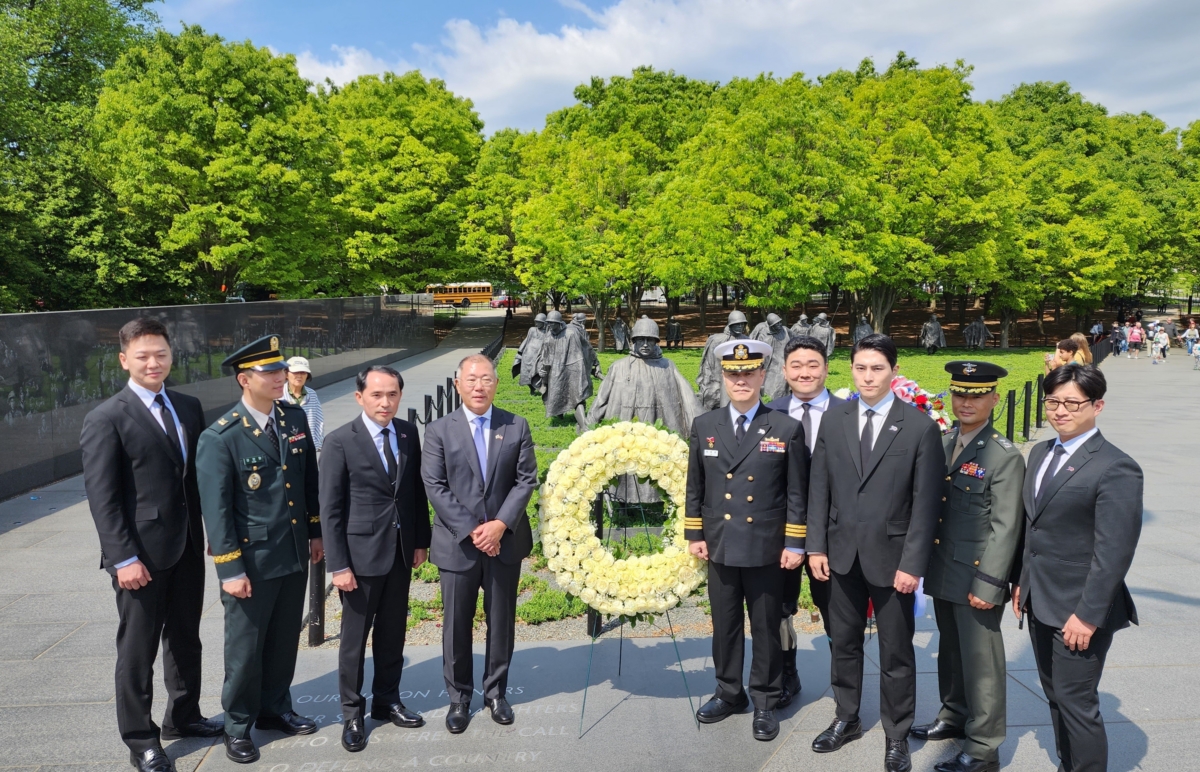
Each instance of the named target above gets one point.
<point>710,452</point>
<point>972,470</point>
<point>772,445</point>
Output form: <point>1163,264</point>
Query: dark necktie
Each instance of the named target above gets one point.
<point>740,431</point>
<point>270,431</point>
<point>1051,470</point>
<point>389,455</point>
<point>169,423</point>
<point>866,441</point>
<point>806,422</point>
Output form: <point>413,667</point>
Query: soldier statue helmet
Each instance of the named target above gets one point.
<point>737,322</point>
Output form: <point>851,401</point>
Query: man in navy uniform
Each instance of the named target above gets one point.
<point>745,514</point>
<point>257,469</point>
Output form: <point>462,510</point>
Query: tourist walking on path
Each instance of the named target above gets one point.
<point>1159,346</point>
<point>1137,337</point>
<point>1083,516</point>
<point>139,471</point>
<point>1191,336</point>
<point>1117,338</point>
<point>298,393</point>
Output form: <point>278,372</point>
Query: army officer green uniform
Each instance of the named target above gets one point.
<point>257,472</point>
<point>978,536</point>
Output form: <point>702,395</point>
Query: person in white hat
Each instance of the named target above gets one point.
<point>297,393</point>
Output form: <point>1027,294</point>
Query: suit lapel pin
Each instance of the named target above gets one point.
<point>403,436</point>
<point>762,431</point>
<point>980,443</point>
<point>893,428</point>
<point>1070,469</point>
<point>499,436</point>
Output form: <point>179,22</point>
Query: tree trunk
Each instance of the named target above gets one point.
<point>702,300</point>
<point>932,302</point>
<point>833,293</point>
<point>557,298</point>
<point>633,299</point>
<point>724,295</point>
<point>1007,317</point>
<point>601,319</point>
<point>1041,315</point>
<point>962,311</point>
<point>881,301</point>
<point>1058,308</point>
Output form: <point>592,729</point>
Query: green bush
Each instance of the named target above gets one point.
<point>427,572</point>
<point>548,606</point>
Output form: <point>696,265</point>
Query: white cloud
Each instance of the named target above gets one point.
<point>1130,55</point>
<point>347,64</point>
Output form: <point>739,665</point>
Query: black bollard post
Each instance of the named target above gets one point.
<point>428,410</point>
<point>1012,414</point>
<point>594,622</point>
<point>1028,405</point>
<point>1040,395</point>
<point>441,400</point>
<point>412,416</point>
<point>450,395</point>
<point>316,603</point>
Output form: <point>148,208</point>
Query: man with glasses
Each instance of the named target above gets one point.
<point>480,472</point>
<point>1083,516</point>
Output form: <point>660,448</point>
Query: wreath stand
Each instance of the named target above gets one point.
<point>595,623</point>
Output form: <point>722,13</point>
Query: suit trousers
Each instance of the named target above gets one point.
<point>818,590</point>
<point>972,675</point>
<point>460,593</point>
<point>166,609</point>
<point>732,592</point>
<point>379,606</point>
<point>262,635</point>
<point>1071,681</point>
<point>849,596</point>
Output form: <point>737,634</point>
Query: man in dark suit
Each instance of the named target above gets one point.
<point>257,469</point>
<point>746,492</point>
<point>874,498</point>
<point>1083,515</point>
<point>139,470</point>
<point>480,472</point>
<point>375,527</point>
<point>805,368</point>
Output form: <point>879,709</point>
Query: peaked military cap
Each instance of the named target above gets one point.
<point>742,355</point>
<point>263,355</point>
<point>974,377</point>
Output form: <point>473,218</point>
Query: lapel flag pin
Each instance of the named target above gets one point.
<point>762,431</point>
<point>893,428</point>
<point>1070,469</point>
<point>499,436</point>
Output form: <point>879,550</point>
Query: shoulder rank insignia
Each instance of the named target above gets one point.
<point>972,470</point>
<point>221,422</point>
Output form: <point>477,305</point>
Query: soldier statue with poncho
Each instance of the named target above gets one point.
<point>863,329</point>
<point>776,335</point>
<point>976,334</point>
<point>824,332</point>
<point>620,333</point>
<point>526,362</point>
<point>932,336</point>
<point>566,366</point>
<point>710,380</point>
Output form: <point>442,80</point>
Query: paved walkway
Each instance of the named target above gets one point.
<point>57,622</point>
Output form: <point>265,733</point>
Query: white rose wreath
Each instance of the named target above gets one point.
<point>634,587</point>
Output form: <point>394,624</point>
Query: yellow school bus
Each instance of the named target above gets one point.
<point>463,295</point>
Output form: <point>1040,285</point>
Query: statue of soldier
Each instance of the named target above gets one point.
<point>620,333</point>
<point>801,327</point>
<point>976,335</point>
<point>863,329</point>
<point>823,331</point>
<point>578,326</point>
<point>710,380</point>
<point>526,362</point>
<point>565,367</point>
<point>776,335</point>
<point>932,336</point>
<point>674,333</point>
<point>649,388</point>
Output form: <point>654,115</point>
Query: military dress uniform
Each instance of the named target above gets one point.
<point>746,497</point>
<point>258,491</point>
<point>979,533</point>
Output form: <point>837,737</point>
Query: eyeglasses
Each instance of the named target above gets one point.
<point>1072,405</point>
<point>485,381</point>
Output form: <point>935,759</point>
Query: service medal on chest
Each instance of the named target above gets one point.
<point>254,480</point>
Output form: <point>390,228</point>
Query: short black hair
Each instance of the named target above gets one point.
<point>805,342</point>
<point>876,341</point>
<point>1088,378</point>
<point>140,328</point>
<point>1066,344</point>
<point>360,380</point>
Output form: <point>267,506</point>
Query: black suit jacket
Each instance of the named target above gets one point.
<point>142,494</point>
<point>361,506</point>
<point>1080,538</point>
<point>463,496</point>
<point>746,501</point>
<point>887,513</point>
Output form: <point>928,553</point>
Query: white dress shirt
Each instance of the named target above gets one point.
<point>879,419</point>
<point>259,418</point>
<point>816,410</point>
<point>733,415</point>
<point>487,423</point>
<point>1069,447</point>
<point>377,437</point>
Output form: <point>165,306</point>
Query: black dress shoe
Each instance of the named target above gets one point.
<point>938,730</point>
<point>243,751</point>
<point>354,735</point>
<point>458,717</point>
<point>205,727</point>
<point>895,756</point>
<point>965,763</point>
<point>791,680</point>
<point>838,734</point>
<point>501,712</point>
<point>152,760</point>
<point>718,709</point>
<point>398,715</point>
<point>765,725</point>
<point>288,723</point>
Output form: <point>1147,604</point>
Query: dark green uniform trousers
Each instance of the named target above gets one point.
<point>262,635</point>
<point>971,675</point>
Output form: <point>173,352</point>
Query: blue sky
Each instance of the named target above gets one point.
<point>519,60</point>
